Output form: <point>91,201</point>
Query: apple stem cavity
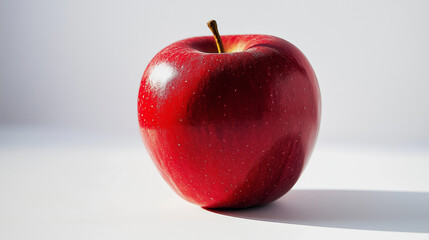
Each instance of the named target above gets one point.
<point>213,27</point>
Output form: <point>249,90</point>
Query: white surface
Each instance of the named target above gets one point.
<point>59,185</point>
<point>78,64</point>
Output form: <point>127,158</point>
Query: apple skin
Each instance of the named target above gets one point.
<point>234,129</point>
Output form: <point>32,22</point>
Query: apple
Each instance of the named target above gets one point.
<point>229,126</point>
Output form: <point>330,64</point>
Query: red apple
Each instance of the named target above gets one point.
<point>233,129</point>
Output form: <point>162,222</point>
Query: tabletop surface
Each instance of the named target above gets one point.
<point>56,185</point>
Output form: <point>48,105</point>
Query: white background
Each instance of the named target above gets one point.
<point>78,64</point>
<point>72,164</point>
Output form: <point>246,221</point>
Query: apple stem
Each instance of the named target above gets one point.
<point>213,27</point>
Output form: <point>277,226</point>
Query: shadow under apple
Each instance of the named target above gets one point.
<point>366,210</point>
